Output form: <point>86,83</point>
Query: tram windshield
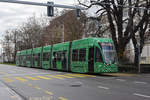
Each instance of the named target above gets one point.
<point>109,52</point>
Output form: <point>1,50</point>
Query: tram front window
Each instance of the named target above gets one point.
<point>109,52</point>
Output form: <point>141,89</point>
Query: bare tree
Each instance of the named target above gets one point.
<point>28,35</point>
<point>31,32</point>
<point>7,46</point>
<point>122,28</point>
<point>144,22</point>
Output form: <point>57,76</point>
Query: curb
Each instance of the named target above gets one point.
<point>121,74</point>
<point>11,93</point>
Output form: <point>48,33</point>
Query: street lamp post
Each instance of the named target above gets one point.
<point>139,58</point>
<point>63,32</point>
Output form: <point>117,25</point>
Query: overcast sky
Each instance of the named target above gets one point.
<point>12,15</point>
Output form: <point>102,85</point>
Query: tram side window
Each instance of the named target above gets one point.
<point>38,57</point>
<point>82,54</point>
<point>98,55</point>
<point>17,58</point>
<point>28,57</point>
<point>75,55</point>
<point>23,57</point>
<point>33,57</point>
<point>64,54</point>
<point>46,56</point>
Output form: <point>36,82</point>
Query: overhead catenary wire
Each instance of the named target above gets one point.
<point>118,5</point>
<point>67,6</point>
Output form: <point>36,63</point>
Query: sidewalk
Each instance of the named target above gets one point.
<point>7,94</point>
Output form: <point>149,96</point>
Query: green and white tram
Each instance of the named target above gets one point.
<point>89,55</point>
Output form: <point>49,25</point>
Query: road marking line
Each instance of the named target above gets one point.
<point>29,84</point>
<point>25,74</point>
<point>7,79</point>
<point>21,79</point>
<point>62,98</point>
<point>86,75</point>
<point>48,92</point>
<point>75,75</point>
<point>4,73</point>
<point>55,77</point>
<point>58,72</point>
<point>42,77</point>
<point>106,88</point>
<point>121,80</point>
<point>65,76</point>
<point>32,78</point>
<point>12,71</point>
<point>36,87</point>
<point>138,82</point>
<point>13,97</point>
<point>147,76</point>
<point>141,95</point>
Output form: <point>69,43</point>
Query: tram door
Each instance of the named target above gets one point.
<point>91,60</point>
<point>38,59</point>
<point>24,60</point>
<point>54,60</point>
<point>64,60</point>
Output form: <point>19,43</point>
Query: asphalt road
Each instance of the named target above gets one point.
<point>20,83</point>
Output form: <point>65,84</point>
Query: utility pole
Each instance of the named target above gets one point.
<point>139,58</point>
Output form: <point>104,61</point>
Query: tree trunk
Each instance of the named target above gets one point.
<point>120,51</point>
<point>136,51</point>
<point>136,57</point>
<point>15,52</point>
